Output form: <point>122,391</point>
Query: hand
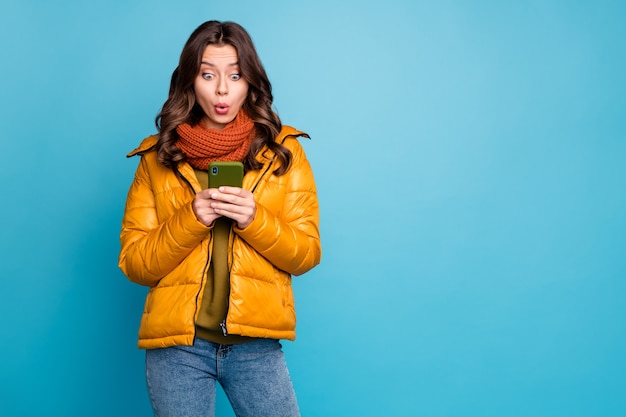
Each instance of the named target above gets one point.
<point>201,205</point>
<point>233,202</point>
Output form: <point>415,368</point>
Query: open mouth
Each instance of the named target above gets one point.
<point>221,108</point>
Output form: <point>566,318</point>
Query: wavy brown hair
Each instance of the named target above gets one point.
<point>181,105</point>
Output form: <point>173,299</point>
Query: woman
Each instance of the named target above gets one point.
<point>219,261</point>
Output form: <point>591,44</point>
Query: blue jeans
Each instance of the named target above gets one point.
<point>181,379</point>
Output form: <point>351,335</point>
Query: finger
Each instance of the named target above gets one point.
<point>227,189</point>
<point>205,194</point>
<point>240,197</point>
<point>242,214</point>
<point>238,208</point>
<point>237,213</point>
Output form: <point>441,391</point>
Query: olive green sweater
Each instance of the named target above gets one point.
<point>210,324</point>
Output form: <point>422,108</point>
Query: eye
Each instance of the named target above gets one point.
<point>235,77</point>
<point>207,75</point>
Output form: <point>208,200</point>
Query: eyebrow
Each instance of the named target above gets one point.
<point>234,64</point>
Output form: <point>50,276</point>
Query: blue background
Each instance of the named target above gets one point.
<point>471,165</point>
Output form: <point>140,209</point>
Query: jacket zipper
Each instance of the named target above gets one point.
<point>231,238</point>
<point>262,174</point>
<point>206,265</point>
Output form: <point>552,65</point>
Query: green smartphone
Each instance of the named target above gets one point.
<point>225,173</point>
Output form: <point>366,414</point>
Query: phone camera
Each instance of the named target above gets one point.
<point>214,170</point>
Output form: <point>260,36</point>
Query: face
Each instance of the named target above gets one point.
<point>220,89</point>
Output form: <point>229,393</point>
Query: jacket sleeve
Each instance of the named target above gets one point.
<point>291,240</point>
<point>151,248</point>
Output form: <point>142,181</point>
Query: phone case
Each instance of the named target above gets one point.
<point>225,173</point>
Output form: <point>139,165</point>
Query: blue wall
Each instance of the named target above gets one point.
<point>471,165</point>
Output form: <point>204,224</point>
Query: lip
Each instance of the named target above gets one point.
<point>221,108</point>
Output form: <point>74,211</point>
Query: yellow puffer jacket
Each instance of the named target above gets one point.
<point>165,247</point>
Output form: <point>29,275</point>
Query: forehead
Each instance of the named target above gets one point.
<point>214,54</point>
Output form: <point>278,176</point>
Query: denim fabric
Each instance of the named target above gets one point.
<point>181,379</point>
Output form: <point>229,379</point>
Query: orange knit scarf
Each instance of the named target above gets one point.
<point>202,146</point>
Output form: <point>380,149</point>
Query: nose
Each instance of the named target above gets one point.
<point>222,88</point>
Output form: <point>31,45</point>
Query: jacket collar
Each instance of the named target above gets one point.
<point>149,143</point>
<point>266,156</point>
<point>146,145</point>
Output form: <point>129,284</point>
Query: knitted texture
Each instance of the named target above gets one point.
<point>202,146</point>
